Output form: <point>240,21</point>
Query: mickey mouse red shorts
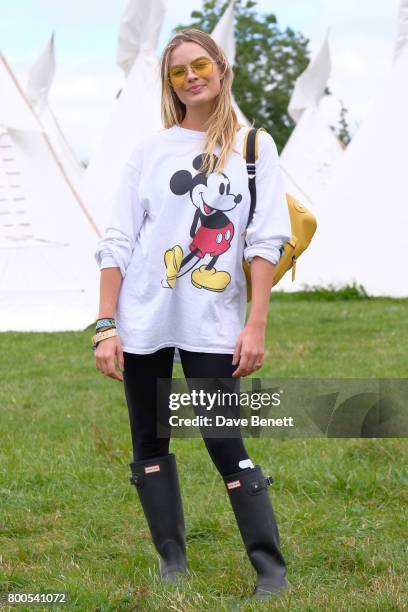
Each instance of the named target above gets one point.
<point>212,241</point>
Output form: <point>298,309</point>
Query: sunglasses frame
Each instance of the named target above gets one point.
<point>190,64</point>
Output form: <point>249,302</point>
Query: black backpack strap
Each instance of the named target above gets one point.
<point>250,157</point>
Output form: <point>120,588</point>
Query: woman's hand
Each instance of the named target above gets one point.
<point>250,349</point>
<point>105,354</point>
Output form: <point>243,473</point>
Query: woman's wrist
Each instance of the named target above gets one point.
<point>256,322</point>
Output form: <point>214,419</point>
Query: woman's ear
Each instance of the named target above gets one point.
<point>222,72</point>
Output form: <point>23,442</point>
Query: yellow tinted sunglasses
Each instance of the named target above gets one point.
<point>202,66</point>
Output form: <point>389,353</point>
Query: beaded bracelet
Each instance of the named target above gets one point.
<point>105,323</point>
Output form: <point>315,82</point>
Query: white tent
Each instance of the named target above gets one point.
<point>40,79</point>
<point>137,109</point>
<point>224,36</point>
<point>362,231</point>
<point>313,150</point>
<point>402,30</point>
<point>47,238</point>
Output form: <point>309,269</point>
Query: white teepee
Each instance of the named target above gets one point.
<point>224,36</point>
<point>313,150</point>
<point>49,281</point>
<point>40,79</point>
<point>137,110</point>
<point>402,30</point>
<point>363,224</point>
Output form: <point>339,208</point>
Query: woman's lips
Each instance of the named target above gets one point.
<point>196,89</point>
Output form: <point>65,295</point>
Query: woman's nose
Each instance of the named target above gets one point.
<point>190,73</point>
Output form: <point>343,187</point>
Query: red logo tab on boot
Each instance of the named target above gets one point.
<point>233,484</point>
<point>152,468</point>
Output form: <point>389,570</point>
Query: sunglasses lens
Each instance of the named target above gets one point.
<point>177,75</point>
<point>202,67</point>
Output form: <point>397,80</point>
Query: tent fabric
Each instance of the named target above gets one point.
<point>312,150</point>
<point>402,31</point>
<point>139,30</point>
<point>310,85</point>
<point>224,36</point>
<point>310,157</point>
<point>41,74</point>
<point>223,33</point>
<point>40,80</point>
<point>13,109</point>
<point>135,115</point>
<point>363,223</point>
<point>49,279</point>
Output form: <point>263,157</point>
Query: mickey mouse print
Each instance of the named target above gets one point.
<point>211,196</point>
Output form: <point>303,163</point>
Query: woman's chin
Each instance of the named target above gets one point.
<point>198,100</point>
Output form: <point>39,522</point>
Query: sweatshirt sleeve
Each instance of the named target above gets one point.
<point>270,226</point>
<point>116,247</point>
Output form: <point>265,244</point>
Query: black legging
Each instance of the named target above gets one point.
<point>140,379</point>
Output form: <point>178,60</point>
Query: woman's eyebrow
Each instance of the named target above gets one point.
<point>193,60</point>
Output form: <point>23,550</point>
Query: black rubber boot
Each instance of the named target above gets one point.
<point>256,521</point>
<point>157,485</point>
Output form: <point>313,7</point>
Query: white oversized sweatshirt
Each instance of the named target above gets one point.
<point>178,239</point>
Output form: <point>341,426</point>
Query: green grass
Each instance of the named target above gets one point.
<point>70,521</point>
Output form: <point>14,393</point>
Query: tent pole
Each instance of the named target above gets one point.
<point>51,149</point>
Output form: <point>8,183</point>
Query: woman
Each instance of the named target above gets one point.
<point>171,271</point>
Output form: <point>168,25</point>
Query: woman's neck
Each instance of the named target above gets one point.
<point>196,118</point>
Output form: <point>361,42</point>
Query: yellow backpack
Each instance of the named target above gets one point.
<point>303,222</point>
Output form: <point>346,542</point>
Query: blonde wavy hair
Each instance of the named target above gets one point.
<point>222,124</point>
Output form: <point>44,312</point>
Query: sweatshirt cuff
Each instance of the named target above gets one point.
<point>108,261</point>
<point>272,254</point>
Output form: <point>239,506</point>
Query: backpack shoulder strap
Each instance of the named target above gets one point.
<point>251,155</point>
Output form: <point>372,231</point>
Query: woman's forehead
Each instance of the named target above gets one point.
<point>187,52</point>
